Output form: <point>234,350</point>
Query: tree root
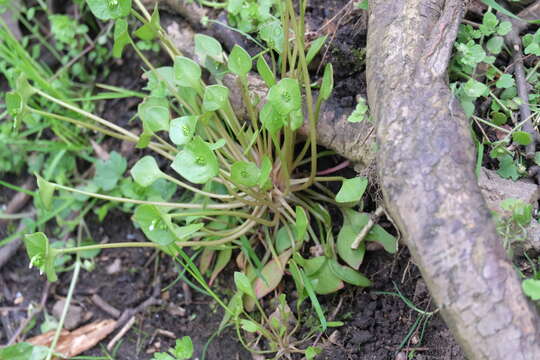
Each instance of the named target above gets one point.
<point>426,170</point>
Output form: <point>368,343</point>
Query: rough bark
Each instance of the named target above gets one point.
<point>426,171</point>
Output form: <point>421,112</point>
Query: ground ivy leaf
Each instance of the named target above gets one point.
<point>183,348</point>
<point>182,129</point>
<point>505,81</point>
<point>474,88</point>
<point>531,287</point>
<point>352,190</point>
<point>109,172</point>
<point>245,173</point>
<point>197,163</point>
<point>146,171</point>
<point>109,9</point>
<point>507,168</point>
<point>522,137</point>
<point>495,44</point>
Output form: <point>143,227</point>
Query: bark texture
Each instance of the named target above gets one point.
<point>426,171</point>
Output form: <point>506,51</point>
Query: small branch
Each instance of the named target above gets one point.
<point>366,229</point>
<point>105,306</point>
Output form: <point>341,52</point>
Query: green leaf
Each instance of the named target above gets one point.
<point>146,171</point>
<point>531,288</point>
<point>522,137</point>
<point>327,82</point>
<point>266,169</point>
<point>296,119</point>
<point>183,129</point>
<point>495,44</point>
<point>46,191</point>
<point>360,112</point>
<point>150,30</point>
<point>245,173</point>
<point>474,88</point>
<point>162,356</point>
<point>197,163</point>
<point>24,351</point>
<point>353,223</point>
<point>312,351</point>
<point>206,46</point>
<point>272,33</point>
<point>505,81</point>
<point>324,281</point>
<point>161,82</point>
<point>222,261</point>
<point>285,96</point>
<point>154,113</point>
<point>215,97</point>
<point>249,325</point>
<point>301,224</point>
<point>271,119</point>
<point>109,172</point>
<point>352,190</point>
<point>507,168</point>
<point>283,240</point>
<point>109,9</point>
<point>243,284</point>
<point>183,348</point>
<point>155,224</point>
<point>498,118</point>
<point>239,61</point>
<point>14,104</point>
<point>187,72</point>
<point>504,28</point>
<point>41,255</point>
<point>121,37</point>
<point>266,73</point>
<point>349,275</point>
<point>315,47</point>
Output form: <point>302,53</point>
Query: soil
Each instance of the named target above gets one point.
<point>376,324</point>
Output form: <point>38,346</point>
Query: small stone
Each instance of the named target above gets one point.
<point>73,317</point>
<point>115,267</point>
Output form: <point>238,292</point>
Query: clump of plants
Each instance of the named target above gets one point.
<point>251,189</point>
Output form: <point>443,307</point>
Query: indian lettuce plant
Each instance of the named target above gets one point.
<point>251,188</point>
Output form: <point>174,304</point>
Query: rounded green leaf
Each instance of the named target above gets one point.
<point>109,9</point>
<point>498,118</point>
<point>272,120</point>
<point>325,281</point>
<point>352,190</point>
<point>197,163</point>
<point>154,113</point>
<point>352,225</point>
<point>215,97</point>
<point>266,73</point>
<point>285,96</point>
<point>474,88</point>
<point>531,288</point>
<point>206,46</point>
<point>522,137</point>
<point>187,72</point>
<point>146,171</point>
<point>183,129</point>
<point>154,225</point>
<point>243,284</point>
<point>327,82</point>
<point>245,173</point>
<point>239,61</point>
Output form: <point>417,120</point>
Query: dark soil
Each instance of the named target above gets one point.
<point>375,324</point>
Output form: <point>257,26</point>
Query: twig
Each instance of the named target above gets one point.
<point>105,306</point>
<point>121,333</point>
<point>366,229</point>
<point>334,169</point>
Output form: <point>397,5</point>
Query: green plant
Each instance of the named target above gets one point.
<point>249,184</point>
<point>182,350</point>
<point>513,221</point>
